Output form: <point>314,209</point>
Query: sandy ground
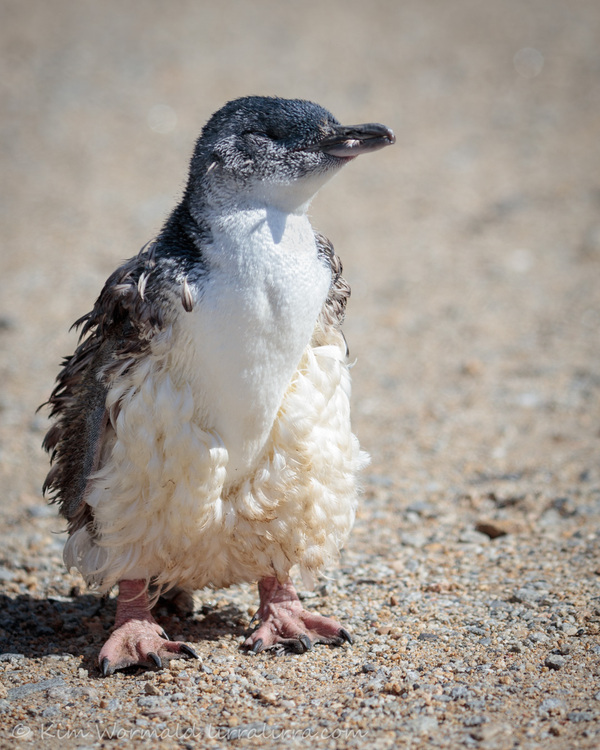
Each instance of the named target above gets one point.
<point>471,581</point>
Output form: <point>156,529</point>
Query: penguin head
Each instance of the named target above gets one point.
<point>277,152</point>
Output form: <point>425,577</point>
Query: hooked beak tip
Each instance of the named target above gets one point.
<point>348,142</point>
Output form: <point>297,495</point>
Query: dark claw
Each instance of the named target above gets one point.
<point>155,658</point>
<point>254,618</point>
<point>184,648</point>
<point>105,667</point>
<point>345,635</point>
<point>164,635</point>
<point>305,641</point>
<point>257,646</point>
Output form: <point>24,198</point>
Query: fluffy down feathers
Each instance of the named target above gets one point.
<point>143,482</point>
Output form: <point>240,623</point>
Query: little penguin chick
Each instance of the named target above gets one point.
<point>201,432</point>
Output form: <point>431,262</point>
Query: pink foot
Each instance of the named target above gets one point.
<point>286,623</point>
<point>137,638</point>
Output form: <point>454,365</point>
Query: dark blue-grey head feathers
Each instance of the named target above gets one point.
<point>267,139</point>
<point>292,122</point>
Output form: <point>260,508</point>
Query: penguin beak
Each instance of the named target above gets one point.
<point>349,141</point>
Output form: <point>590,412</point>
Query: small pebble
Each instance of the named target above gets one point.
<point>10,657</point>
<point>492,529</point>
<point>552,706</point>
<point>580,716</point>
<point>459,692</point>
<point>51,712</point>
<point>537,636</point>
<point>22,691</point>
<point>268,697</point>
<point>555,661</point>
<point>474,721</point>
<point>151,689</point>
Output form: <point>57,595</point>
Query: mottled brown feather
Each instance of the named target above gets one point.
<point>334,309</point>
<point>114,335</point>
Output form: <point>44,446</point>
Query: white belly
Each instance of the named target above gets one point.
<point>252,319</point>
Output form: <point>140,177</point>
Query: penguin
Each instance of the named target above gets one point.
<point>201,430</point>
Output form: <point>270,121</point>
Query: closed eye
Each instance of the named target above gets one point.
<point>271,135</point>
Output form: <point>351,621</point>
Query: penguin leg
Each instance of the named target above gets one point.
<point>137,638</point>
<point>286,624</point>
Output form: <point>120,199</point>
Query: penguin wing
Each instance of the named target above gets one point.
<point>334,310</point>
<point>114,335</point>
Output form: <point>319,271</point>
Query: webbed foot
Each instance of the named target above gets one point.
<point>137,639</point>
<point>285,624</point>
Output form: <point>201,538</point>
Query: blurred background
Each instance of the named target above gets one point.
<point>472,246</point>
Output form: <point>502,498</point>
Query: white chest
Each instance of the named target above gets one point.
<point>253,317</point>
